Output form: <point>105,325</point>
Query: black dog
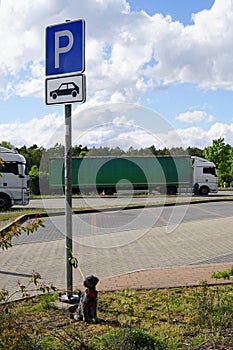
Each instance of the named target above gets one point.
<point>87,308</point>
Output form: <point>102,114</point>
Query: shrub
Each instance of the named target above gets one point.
<point>130,339</point>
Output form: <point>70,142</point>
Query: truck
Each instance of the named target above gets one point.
<point>14,179</point>
<point>109,175</point>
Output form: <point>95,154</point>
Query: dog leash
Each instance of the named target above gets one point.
<point>80,270</point>
<point>73,261</point>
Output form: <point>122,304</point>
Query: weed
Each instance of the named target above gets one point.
<point>130,339</point>
<point>128,302</point>
<point>226,275</point>
<point>71,339</point>
<point>213,308</point>
<point>47,299</point>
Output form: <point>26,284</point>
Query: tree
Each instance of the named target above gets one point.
<point>34,177</point>
<point>6,144</point>
<point>32,154</point>
<point>77,150</point>
<point>195,151</point>
<point>222,155</point>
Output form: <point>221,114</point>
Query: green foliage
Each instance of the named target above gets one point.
<point>34,180</point>
<point>71,339</point>
<point>130,339</point>
<point>78,150</point>
<point>226,275</point>
<point>17,229</point>
<point>129,303</point>
<point>6,144</point>
<point>195,151</point>
<point>13,336</point>
<point>48,296</point>
<point>222,155</point>
<point>35,284</point>
<point>32,155</point>
<point>14,333</point>
<point>34,171</point>
<point>212,308</point>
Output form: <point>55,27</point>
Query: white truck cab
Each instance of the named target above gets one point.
<point>14,179</point>
<point>205,177</point>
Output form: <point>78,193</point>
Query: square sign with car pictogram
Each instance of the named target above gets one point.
<point>68,89</point>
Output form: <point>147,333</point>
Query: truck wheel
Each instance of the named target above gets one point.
<point>171,190</point>
<point>109,191</point>
<point>99,191</point>
<point>5,202</point>
<point>204,191</point>
<point>75,190</point>
<point>162,190</point>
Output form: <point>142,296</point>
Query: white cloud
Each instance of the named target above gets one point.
<point>196,136</point>
<point>124,50</point>
<point>199,53</point>
<point>221,130</point>
<point>195,117</point>
<point>36,131</point>
<point>112,125</point>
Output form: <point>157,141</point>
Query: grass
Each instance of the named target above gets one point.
<point>8,217</point>
<point>177,318</point>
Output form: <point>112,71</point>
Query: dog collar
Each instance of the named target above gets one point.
<point>91,297</point>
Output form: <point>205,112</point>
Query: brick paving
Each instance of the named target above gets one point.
<point>181,276</point>
<point>151,258</point>
<point>20,261</point>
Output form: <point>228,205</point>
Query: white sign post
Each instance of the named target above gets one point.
<point>65,84</point>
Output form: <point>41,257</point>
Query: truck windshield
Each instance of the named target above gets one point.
<point>9,167</point>
<point>209,170</point>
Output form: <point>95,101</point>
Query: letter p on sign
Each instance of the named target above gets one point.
<point>65,48</point>
<point>59,50</point>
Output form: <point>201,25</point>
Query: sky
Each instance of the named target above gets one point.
<point>157,72</point>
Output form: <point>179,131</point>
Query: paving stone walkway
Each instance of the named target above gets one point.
<point>151,259</point>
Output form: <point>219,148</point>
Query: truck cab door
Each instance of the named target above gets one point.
<point>11,179</point>
<point>209,174</point>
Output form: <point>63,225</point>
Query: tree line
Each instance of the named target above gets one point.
<point>38,158</point>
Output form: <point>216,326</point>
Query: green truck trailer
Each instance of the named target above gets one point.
<point>109,175</point>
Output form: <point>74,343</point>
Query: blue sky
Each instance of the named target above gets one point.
<point>170,62</point>
<point>179,10</point>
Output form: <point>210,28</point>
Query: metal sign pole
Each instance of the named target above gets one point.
<point>68,196</point>
<point>62,60</point>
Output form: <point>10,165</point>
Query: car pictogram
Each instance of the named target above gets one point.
<point>65,89</point>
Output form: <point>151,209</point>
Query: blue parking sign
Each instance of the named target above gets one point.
<point>65,48</point>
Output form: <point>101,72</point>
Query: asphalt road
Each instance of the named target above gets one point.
<point>107,223</point>
<point>121,200</point>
